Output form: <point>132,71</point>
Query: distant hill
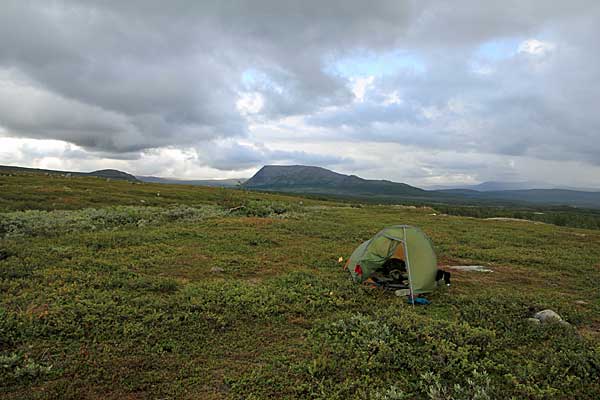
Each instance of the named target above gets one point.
<point>491,186</point>
<point>120,175</point>
<point>113,174</point>
<point>495,186</point>
<point>103,173</point>
<point>554,197</point>
<point>198,182</point>
<point>317,180</point>
<point>498,186</point>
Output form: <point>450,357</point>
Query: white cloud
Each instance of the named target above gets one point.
<point>250,103</point>
<point>456,106</point>
<point>432,112</point>
<point>392,98</point>
<point>536,47</point>
<point>482,69</point>
<point>360,85</point>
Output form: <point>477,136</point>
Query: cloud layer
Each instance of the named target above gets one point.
<point>461,90</point>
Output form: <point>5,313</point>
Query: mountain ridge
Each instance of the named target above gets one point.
<point>101,173</point>
<point>298,178</point>
<point>302,179</point>
<point>495,186</point>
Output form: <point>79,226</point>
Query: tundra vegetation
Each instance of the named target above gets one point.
<point>116,290</point>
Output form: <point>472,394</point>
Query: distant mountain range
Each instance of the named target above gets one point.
<point>120,175</point>
<point>198,182</point>
<point>302,179</point>
<point>317,180</point>
<point>103,173</point>
<point>549,197</point>
<point>498,186</point>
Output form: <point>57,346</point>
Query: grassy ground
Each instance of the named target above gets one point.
<point>118,290</point>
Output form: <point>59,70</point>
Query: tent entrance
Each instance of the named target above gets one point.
<point>392,272</point>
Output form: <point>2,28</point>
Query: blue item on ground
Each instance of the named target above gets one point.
<point>418,301</point>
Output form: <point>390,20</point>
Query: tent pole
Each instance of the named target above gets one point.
<point>412,294</point>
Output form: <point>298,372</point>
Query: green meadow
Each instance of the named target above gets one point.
<point>114,290</point>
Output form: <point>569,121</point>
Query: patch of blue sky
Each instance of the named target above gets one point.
<point>368,63</point>
<point>254,79</point>
<point>498,49</point>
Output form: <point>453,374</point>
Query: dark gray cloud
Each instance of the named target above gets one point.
<point>527,104</point>
<point>236,156</point>
<point>119,78</point>
<point>171,72</point>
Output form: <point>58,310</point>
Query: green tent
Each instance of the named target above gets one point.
<point>406,243</point>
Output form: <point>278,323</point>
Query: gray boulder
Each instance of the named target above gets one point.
<point>549,316</point>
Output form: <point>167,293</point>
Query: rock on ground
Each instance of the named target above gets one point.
<point>546,316</point>
<point>476,268</point>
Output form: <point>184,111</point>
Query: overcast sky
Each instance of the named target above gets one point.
<point>423,92</point>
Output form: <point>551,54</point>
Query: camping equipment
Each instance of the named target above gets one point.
<point>420,301</point>
<point>445,275</point>
<point>398,257</point>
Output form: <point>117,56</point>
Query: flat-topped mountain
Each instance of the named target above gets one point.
<point>309,179</point>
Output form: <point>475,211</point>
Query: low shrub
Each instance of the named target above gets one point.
<point>15,367</point>
<point>49,223</point>
<point>409,355</point>
<point>265,208</point>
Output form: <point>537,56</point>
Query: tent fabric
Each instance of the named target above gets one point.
<point>397,242</point>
